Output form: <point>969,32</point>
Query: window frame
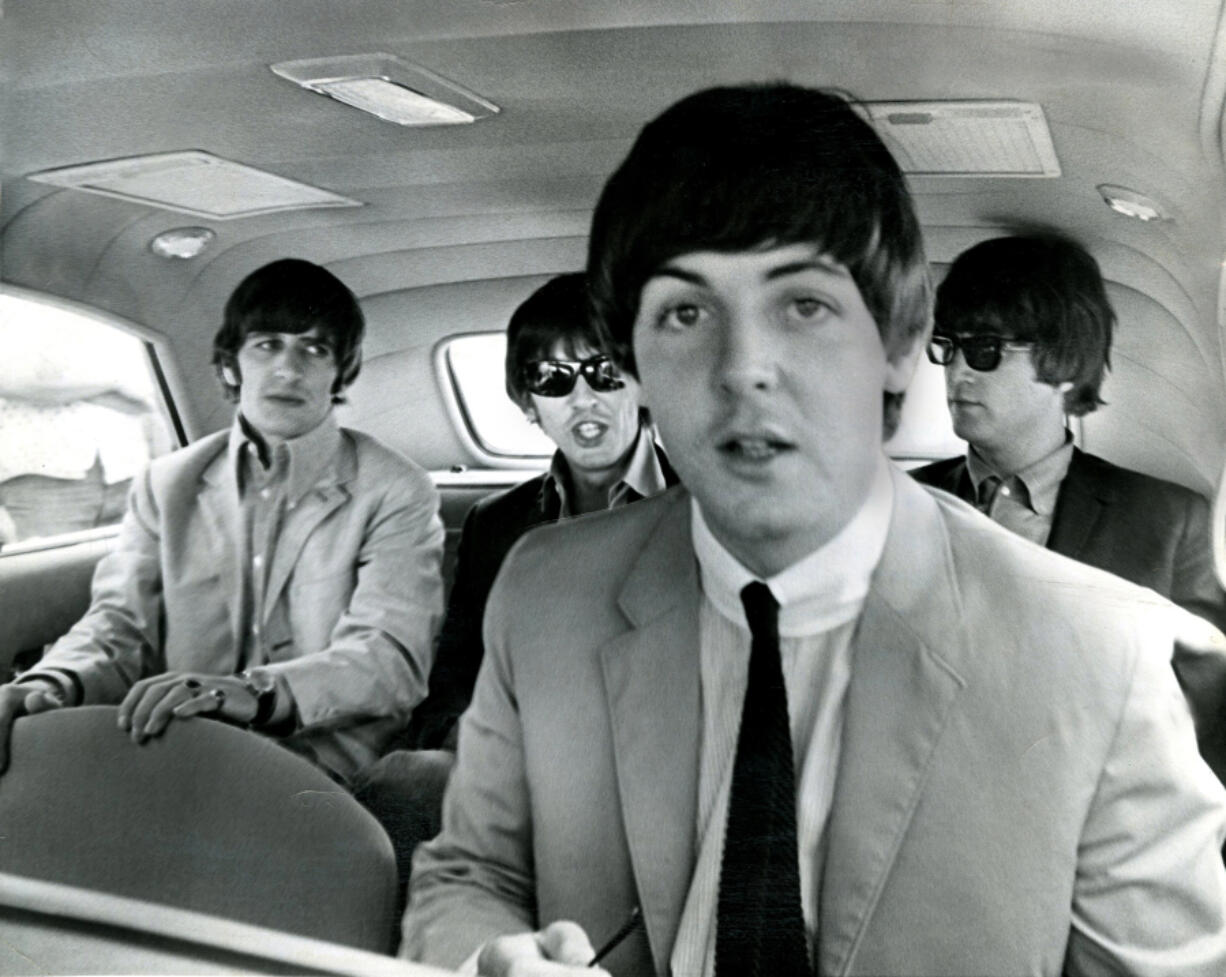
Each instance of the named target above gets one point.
<point>163,380</point>
<point>461,420</point>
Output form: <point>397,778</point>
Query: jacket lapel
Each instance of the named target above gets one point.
<point>218,501</point>
<point>653,670</point>
<point>957,481</point>
<point>902,686</point>
<point>1079,506</point>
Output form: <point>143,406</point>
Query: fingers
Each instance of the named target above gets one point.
<point>42,700</point>
<point>153,703</point>
<point>151,711</point>
<point>201,703</point>
<point>178,696</point>
<point>136,695</point>
<point>19,700</point>
<point>562,948</point>
<point>566,942</point>
<point>500,954</point>
<point>150,705</point>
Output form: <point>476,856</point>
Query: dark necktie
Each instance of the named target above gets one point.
<point>987,493</point>
<point>760,929</point>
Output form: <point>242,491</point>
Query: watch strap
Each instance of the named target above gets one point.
<point>264,689</point>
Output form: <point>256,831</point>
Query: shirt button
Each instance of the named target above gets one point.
<point>1005,490</point>
<point>265,493</point>
<point>257,562</point>
<point>255,629</point>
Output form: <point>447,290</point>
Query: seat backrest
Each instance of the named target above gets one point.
<point>206,817</point>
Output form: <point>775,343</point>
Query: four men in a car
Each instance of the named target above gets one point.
<point>283,574</point>
<point>806,717</point>
<point>800,716</point>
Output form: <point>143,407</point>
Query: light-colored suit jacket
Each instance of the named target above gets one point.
<point>353,597</point>
<point>1019,790</point>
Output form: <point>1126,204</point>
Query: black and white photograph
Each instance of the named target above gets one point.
<point>651,488</point>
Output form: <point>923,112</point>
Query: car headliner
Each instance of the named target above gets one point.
<point>460,221</point>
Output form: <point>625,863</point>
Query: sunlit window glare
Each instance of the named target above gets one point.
<point>496,422</point>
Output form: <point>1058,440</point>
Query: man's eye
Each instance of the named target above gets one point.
<point>684,316</point>
<point>319,350</point>
<point>808,308</point>
<point>268,345</point>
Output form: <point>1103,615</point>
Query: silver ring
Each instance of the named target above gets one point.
<point>219,695</point>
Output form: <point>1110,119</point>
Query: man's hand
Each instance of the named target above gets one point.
<point>23,699</point>
<point>559,949</point>
<point>152,703</point>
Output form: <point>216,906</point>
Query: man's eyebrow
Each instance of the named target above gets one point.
<point>824,265</point>
<point>682,274</point>
<point>315,335</point>
<point>817,263</point>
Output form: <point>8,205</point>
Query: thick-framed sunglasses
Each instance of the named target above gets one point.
<point>981,352</point>
<point>557,378</point>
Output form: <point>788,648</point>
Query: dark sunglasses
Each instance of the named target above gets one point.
<point>557,378</point>
<point>982,353</point>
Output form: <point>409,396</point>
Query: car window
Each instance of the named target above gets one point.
<point>495,422</point>
<point>80,416</point>
<point>926,432</point>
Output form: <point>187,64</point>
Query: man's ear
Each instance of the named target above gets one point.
<point>531,415</point>
<point>900,364</point>
<point>230,375</point>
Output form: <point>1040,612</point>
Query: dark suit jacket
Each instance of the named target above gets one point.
<point>490,530</point>
<point>1152,532</point>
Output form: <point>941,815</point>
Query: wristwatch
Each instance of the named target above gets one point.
<point>263,687</point>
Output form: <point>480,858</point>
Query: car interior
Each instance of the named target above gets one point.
<point>442,158</point>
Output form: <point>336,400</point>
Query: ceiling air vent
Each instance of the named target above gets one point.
<point>997,139</point>
<point>193,182</point>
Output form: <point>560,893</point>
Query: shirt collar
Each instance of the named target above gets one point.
<point>300,461</point>
<point>1039,481</point>
<point>643,476</point>
<point>820,591</point>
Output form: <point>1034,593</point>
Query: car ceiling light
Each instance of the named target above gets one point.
<point>181,242</point>
<point>969,139</point>
<point>193,182</point>
<point>1131,204</point>
<point>389,88</point>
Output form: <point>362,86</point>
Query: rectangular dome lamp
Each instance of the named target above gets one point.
<point>388,88</point>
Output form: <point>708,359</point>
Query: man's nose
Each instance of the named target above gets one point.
<point>289,362</point>
<point>746,357</point>
<point>582,394</point>
<point>957,368</point>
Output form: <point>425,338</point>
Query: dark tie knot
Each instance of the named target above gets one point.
<point>761,611</point>
<point>987,492</point>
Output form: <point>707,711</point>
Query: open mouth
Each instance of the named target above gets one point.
<point>755,448</point>
<point>588,433</point>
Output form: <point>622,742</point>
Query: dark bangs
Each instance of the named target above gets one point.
<point>1038,288</point>
<point>744,169</point>
<point>558,311</point>
<point>293,296</point>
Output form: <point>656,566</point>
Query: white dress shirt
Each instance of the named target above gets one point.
<point>820,598</point>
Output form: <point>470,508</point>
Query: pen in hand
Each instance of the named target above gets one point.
<point>628,927</point>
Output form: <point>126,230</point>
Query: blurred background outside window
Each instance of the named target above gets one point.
<point>79,418</point>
